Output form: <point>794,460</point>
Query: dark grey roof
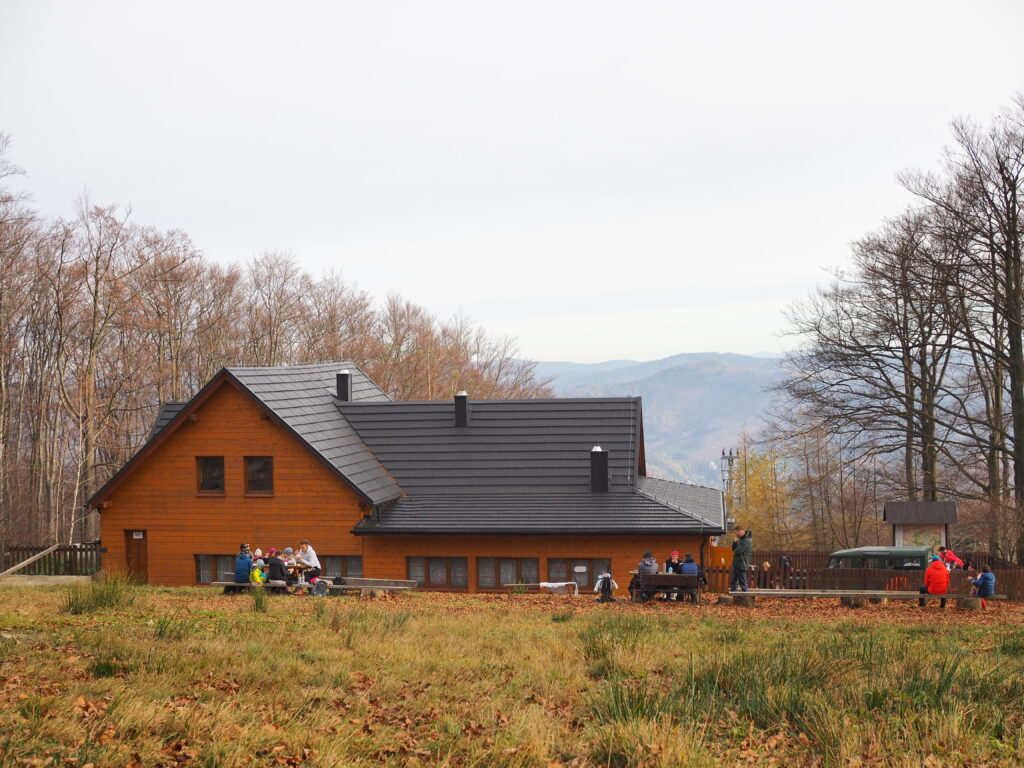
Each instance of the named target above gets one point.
<point>302,396</point>
<point>703,503</point>
<point>520,466</point>
<point>555,513</point>
<point>510,446</point>
<point>919,512</point>
<point>163,417</point>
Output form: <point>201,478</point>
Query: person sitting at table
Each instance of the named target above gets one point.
<point>689,568</point>
<point>258,575</point>
<point>243,564</point>
<point>277,569</point>
<point>306,557</point>
<point>648,565</point>
<point>289,560</point>
<point>672,565</point>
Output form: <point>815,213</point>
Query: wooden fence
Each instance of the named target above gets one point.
<point>819,559</point>
<point>66,560</point>
<point>1009,581</point>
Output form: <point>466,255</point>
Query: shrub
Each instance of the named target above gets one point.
<point>175,627</point>
<point>259,599</point>
<point>623,704</point>
<point>115,591</point>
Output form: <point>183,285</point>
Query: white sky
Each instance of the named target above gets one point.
<point>600,180</point>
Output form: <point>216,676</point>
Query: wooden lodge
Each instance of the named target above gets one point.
<point>457,495</point>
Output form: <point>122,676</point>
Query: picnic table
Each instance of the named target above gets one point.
<point>645,586</point>
<point>558,587</point>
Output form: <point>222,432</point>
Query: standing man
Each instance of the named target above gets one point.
<point>742,552</point>
<point>307,557</point>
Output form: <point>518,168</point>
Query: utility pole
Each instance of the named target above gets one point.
<point>726,466</point>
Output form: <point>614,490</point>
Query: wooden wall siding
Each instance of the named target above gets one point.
<point>384,555</point>
<point>160,497</point>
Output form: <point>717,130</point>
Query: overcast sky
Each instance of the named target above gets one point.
<point>600,180</point>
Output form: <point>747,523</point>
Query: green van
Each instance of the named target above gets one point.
<point>890,558</point>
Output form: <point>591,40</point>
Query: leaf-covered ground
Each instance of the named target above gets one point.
<point>189,677</point>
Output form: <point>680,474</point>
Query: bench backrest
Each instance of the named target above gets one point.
<point>669,579</point>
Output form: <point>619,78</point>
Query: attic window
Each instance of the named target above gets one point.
<point>210,475</point>
<point>259,475</point>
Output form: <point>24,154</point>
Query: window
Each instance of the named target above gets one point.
<point>210,474</point>
<point>494,572</point>
<point>335,567</point>
<point>259,475</point>
<point>583,571</point>
<point>438,572</point>
<point>210,568</point>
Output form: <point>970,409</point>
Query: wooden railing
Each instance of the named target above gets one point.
<point>1009,581</point>
<point>819,559</point>
<point>64,560</point>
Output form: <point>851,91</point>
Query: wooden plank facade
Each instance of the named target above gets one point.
<point>160,499</point>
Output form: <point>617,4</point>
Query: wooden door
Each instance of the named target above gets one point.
<point>136,556</point>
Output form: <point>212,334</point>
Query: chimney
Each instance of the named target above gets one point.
<point>598,470</point>
<point>461,409</point>
<point>344,384</point>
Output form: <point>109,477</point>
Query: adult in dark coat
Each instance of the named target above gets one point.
<point>243,564</point>
<point>742,553</point>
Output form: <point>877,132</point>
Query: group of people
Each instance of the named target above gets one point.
<point>280,567</point>
<point>649,565</point>
<point>941,569</point>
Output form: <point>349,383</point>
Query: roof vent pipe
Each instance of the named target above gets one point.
<point>461,409</point>
<point>598,470</point>
<point>344,383</point>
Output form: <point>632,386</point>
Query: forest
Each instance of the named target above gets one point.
<point>908,377</point>
<point>103,318</point>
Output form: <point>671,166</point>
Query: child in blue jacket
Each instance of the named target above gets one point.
<point>985,584</point>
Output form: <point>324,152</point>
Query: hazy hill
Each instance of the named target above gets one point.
<point>694,404</point>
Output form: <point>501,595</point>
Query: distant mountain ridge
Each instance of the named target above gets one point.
<point>695,404</point>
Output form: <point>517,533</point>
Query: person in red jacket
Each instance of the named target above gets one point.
<point>951,560</point>
<point>936,581</point>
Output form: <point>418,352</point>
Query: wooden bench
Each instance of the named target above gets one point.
<point>856,598</point>
<point>364,585</point>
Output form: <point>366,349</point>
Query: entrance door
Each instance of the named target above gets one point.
<point>136,556</point>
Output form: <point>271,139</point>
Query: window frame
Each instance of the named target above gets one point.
<point>245,474</point>
<point>591,572</point>
<point>498,586</point>
<point>213,562</point>
<point>345,570</point>
<point>427,584</point>
<point>200,491</point>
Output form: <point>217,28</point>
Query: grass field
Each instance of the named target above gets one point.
<point>186,677</point>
